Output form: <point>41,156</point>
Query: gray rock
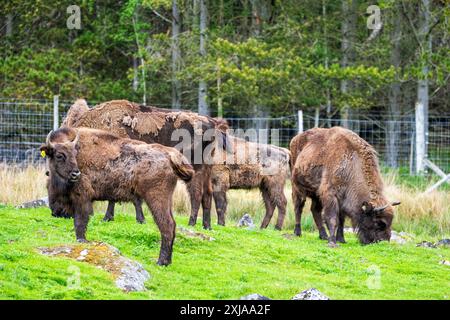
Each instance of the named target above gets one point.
<point>254,296</point>
<point>246,221</point>
<point>129,275</point>
<point>195,234</point>
<point>445,262</point>
<point>132,276</point>
<point>310,294</point>
<point>401,237</point>
<point>42,202</point>
<point>426,244</point>
<point>443,242</point>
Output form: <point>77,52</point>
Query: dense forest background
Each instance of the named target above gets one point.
<point>244,57</point>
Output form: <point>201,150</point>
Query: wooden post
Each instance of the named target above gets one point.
<point>420,138</point>
<point>300,121</point>
<point>55,112</point>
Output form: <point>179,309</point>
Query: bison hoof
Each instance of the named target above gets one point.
<point>140,221</point>
<point>82,241</point>
<point>277,228</point>
<point>108,219</point>
<point>341,240</point>
<point>333,245</point>
<point>207,228</point>
<point>163,262</point>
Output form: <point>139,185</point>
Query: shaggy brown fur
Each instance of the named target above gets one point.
<point>339,171</point>
<point>86,165</point>
<point>154,125</point>
<point>244,172</point>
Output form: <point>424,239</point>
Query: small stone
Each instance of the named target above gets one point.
<point>310,294</point>
<point>289,236</point>
<point>445,262</point>
<point>194,234</point>
<point>443,243</point>
<point>84,252</point>
<point>426,244</point>
<point>254,296</point>
<point>246,221</point>
<point>42,202</point>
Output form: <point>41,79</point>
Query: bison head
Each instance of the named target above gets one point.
<point>374,223</point>
<point>61,150</point>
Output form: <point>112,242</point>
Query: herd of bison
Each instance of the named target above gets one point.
<point>122,151</point>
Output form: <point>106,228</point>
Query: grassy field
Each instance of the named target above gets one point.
<point>237,263</point>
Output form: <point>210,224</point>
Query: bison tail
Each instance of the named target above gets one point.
<point>181,167</point>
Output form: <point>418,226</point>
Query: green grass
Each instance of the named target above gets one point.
<point>237,263</point>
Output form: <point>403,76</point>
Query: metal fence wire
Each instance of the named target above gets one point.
<point>24,126</point>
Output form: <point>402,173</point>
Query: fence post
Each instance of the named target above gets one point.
<point>55,112</point>
<point>300,121</point>
<point>420,138</point>
<point>316,117</point>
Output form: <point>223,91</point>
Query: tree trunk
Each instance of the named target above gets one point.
<point>176,85</point>
<point>425,51</point>
<point>393,125</point>
<point>348,38</point>
<point>135,74</point>
<point>325,36</point>
<point>203,107</point>
<point>9,25</point>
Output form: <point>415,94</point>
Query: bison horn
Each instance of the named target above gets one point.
<point>47,142</point>
<point>379,209</point>
<point>75,141</point>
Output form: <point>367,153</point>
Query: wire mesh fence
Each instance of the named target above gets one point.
<point>24,126</point>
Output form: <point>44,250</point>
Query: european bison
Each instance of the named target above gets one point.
<point>156,125</point>
<point>86,165</point>
<point>339,171</point>
<point>253,165</point>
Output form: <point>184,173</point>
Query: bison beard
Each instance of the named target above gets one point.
<point>86,165</point>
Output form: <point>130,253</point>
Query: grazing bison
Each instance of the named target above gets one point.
<point>253,165</point>
<point>339,171</point>
<point>156,125</point>
<point>86,165</point>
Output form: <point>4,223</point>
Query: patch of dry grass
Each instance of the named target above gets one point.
<point>418,213</point>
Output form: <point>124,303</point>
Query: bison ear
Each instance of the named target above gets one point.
<point>46,150</point>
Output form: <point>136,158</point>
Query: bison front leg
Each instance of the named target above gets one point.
<point>330,207</point>
<point>109,215</point>
<point>139,214</point>
<point>340,229</point>
<point>195,189</point>
<point>220,199</point>
<point>81,220</point>
<point>206,203</point>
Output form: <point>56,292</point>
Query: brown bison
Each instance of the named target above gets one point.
<point>86,165</point>
<point>156,125</point>
<point>252,165</point>
<point>339,171</point>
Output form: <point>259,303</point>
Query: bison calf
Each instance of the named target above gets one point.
<point>87,165</point>
<point>339,171</point>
